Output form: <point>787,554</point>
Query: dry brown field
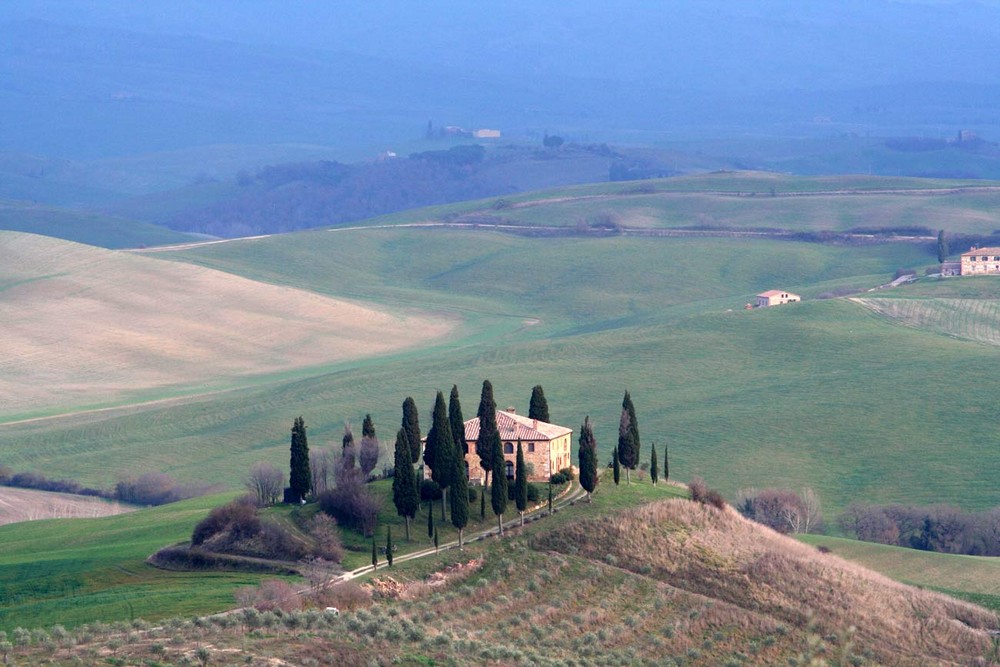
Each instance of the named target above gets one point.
<point>30,505</point>
<point>81,325</point>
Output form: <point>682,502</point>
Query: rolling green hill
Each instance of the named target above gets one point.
<point>826,393</point>
<point>74,571</point>
<point>821,394</point>
<point>81,227</point>
<point>740,200</point>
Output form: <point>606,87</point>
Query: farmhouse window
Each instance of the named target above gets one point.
<point>985,258</point>
<point>509,465</point>
<point>508,448</point>
<point>531,446</point>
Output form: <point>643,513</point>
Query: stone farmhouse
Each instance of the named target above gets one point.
<point>546,446</point>
<point>980,262</point>
<point>776,298</point>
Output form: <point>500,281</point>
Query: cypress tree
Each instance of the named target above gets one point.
<point>411,424</point>
<point>498,491</point>
<point>628,438</point>
<point>616,466</point>
<point>488,442</point>
<point>666,464</point>
<point>654,470</point>
<point>457,426</point>
<point>942,246</point>
<point>550,495</point>
<point>348,440</point>
<point>588,458</point>
<point>388,545</point>
<point>368,427</point>
<point>439,454</point>
<point>520,483</point>
<point>374,555</point>
<point>435,540</point>
<point>459,500</point>
<point>482,504</point>
<point>299,476</point>
<point>430,518</point>
<point>405,495</point>
<point>538,408</point>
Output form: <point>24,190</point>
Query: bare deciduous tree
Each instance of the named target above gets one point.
<point>368,455</point>
<point>321,466</point>
<point>265,483</point>
<point>781,509</point>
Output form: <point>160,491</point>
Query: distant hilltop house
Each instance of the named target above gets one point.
<point>776,298</point>
<point>979,262</point>
<point>456,131</point>
<point>546,446</point>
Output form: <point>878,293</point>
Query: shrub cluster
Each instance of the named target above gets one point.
<point>147,489</point>
<point>238,518</point>
<point>563,476</point>
<point>430,490</point>
<point>33,480</point>
<point>157,489</point>
<point>353,506</point>
<point>700,493</point>
<point>235,528</point>
<point>533,493</point>
<point>782,509</point>
<point>931,528</point>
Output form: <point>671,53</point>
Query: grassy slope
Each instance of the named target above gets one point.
<point>974,578</point>
<point>743,199</point>
<point>89,228</point>
<point>582,290</point>
<point>615,313</point>
<point>669,583</point>
<point>73,571</point>
<point>145,328</point>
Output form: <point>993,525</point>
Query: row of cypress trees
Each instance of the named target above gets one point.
<point>446,447</point>
<point>444,454</point>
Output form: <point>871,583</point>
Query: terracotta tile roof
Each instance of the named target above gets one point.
<point>513,426</point>
<point>775,292</point>
<point>994,252</point>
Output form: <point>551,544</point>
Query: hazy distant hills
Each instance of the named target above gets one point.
<point>86,80</point>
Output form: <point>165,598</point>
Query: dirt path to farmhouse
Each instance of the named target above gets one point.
<point>572,494</point>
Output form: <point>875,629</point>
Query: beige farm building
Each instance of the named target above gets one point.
<point>776,298</point>
<point>546,446</point>
<point>981,262</point>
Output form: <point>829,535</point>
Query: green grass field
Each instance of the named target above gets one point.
<point>742,200</point>
<point>827,393</point>
<point>972,578</point>
<point>824,394</point>
<point>90,228</point>
<point>73,571</point>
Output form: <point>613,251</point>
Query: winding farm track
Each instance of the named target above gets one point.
<point>570,496</point>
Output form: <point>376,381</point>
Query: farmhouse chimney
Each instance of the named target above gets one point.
<point>511,410</point>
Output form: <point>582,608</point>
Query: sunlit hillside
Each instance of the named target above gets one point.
<point>83,326</point>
